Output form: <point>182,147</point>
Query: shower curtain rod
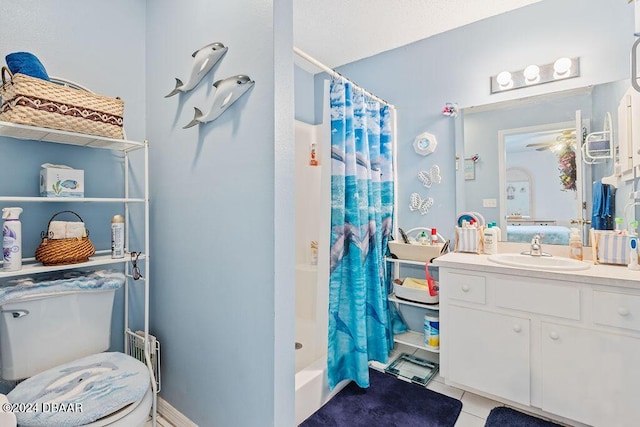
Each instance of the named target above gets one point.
<point>334,73</point>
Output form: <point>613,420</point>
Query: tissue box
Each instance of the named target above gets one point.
<point>61,182</point>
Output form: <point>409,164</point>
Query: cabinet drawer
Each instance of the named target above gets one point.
<point>465,287</point>
<point>540,296</point>
<point>614,309</point>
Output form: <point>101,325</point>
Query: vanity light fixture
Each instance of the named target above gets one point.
<point>504,80</point>
<point>531,74</point>
<point>561,69</point>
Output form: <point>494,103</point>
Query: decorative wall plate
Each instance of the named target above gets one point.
<point>425,143</point>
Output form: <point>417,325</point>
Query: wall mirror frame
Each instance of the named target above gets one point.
<point>479,128</point>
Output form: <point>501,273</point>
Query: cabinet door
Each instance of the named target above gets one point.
<point>590,376</point>
<point>489,352</point>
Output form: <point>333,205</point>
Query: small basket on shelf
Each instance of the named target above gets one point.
<point>62,251</point>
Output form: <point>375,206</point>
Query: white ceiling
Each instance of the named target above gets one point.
<point>337,32</point>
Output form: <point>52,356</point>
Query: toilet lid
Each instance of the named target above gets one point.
<point>81,391</point>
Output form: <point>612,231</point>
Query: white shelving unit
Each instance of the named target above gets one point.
<point>102,257</point>
<point>410,338</point>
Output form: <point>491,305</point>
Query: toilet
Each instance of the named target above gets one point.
<point>54,334</point>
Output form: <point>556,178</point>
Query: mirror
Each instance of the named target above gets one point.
<point>539,197</point>
<point>538,183</point>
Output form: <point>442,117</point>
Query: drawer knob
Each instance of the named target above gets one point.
<point>517,328</point>
<point>554,335</point>
<point>622,311</point>
<point>465,288</point>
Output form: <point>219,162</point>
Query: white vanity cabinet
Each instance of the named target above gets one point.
<point>563,344</point>
<point>590,376</point>
<point>503,372</point>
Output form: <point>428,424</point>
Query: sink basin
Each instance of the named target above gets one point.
<point>539,262</point>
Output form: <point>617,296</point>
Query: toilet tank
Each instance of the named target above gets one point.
<point>40,332</point>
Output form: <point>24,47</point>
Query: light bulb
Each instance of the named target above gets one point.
<point>561,67</point>
<point>532,74</point>
<point>504,79</point>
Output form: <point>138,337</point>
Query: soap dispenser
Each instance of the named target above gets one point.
<point>575,244</point>
<point>490,238</point>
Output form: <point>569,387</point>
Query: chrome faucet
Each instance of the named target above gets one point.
<point>536,247</point>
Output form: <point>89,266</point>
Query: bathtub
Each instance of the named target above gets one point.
<point>311,380</point>
<point>313,223</point>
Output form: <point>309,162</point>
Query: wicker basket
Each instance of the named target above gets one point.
<point>31,101</point>
<point>64,251</point>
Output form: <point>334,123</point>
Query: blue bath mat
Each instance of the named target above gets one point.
<point>503,416</point>
<point>388,402</point>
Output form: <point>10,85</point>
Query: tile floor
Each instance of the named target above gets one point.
<point>475,409</point>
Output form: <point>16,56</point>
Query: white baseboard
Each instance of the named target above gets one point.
<point>172,415</point>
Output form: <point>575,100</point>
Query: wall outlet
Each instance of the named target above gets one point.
<point>489,203</point>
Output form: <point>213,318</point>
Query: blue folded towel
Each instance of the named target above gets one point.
<point>26,63</point>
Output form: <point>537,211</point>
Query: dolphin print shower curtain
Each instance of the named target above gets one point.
<point>361,220</point>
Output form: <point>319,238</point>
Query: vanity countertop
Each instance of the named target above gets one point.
<point>600,274</point>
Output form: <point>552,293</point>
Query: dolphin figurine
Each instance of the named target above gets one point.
<point>203,60</point>
<point>227,92</point>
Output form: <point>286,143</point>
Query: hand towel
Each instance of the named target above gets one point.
<point>57,230</point>
<point>75,229</point>
<point>602,212</point>
<point>66,229</point>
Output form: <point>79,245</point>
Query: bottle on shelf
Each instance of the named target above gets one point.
<point>423,238</point>
<point>313,155</point>
<point>11,239</point>
<point>117,236</point>
<point>314,253</point>
<point>434,237</point>
<point>432,330</point>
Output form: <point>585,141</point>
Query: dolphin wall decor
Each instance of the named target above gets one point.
<point>203,61</point>
<point>227,92</point>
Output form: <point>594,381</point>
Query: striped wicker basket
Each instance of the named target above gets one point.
<point>31,101</point>
<point>64,251</point>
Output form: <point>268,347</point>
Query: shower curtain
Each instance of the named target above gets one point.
<point>361,222</point>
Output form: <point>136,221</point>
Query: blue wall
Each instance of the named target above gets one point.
<point>455,67</point>
<point>304,104</point>
<point>221,277</point>
<point>222,298</point>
